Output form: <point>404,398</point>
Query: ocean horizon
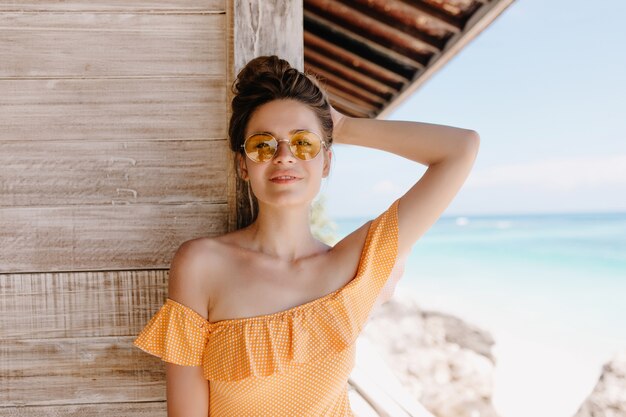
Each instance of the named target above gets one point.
<point>549,287</point>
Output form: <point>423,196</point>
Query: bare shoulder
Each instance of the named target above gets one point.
<point>190,276</point>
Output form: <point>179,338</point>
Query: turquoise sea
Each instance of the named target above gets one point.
<point>550,288</point>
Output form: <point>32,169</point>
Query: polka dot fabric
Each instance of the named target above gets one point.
<point>295,362</point>
<point>176,334</point>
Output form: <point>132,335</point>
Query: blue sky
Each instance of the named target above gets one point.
<point>545,87</point>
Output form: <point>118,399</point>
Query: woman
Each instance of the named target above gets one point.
<point>262,321</point>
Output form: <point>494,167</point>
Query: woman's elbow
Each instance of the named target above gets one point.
<point>472,143</point>
<point>473,138</point>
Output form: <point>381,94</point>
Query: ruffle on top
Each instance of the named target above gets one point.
<point>233,349</point>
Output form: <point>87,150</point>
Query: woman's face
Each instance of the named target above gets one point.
<point>279,117</point>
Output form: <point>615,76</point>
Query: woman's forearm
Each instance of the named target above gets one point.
<point>425,143</point>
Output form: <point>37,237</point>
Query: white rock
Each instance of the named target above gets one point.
<point>446,363</point>
<point>608,398</point>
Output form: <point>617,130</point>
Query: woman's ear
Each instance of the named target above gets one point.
<point>327,159</point>
<point>243,170</point>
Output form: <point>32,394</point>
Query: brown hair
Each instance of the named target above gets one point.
<point>267,78</point>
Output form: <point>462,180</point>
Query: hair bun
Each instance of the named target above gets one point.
<point>262,67</point>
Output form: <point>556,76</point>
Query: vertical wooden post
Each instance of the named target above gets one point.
<point>255,28</point>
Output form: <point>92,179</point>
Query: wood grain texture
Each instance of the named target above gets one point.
<point>67,339</point>
<point>144,6</point>
<point>267,28</point>
<point>131,409</point>
<point>88,44</point>
<point>79,370</point>
<point>79,304</point>
<point>113,109</point>
<point>50,173</point>
<point>83,237</point>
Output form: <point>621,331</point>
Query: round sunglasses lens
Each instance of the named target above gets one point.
<point>260,148</point>
<point>305,145</point>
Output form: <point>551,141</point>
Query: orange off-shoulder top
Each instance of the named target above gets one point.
<point>294,362</point>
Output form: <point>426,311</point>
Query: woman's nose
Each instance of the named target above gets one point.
<point>283,152</point>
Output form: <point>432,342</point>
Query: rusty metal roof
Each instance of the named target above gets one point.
<point>371,55</point>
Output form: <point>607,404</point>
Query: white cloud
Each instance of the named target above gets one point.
<point>555,174</point>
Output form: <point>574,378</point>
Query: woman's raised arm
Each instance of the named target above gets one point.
<point>449,152</point>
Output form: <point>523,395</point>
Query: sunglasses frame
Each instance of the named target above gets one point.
<point>243,145</point>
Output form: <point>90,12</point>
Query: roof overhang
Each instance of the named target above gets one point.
<point>371,55</point>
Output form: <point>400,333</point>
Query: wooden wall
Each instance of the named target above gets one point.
<point>113,151</point>
<point>112,132</point>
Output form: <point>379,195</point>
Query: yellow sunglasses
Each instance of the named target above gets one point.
<point>262,146</point>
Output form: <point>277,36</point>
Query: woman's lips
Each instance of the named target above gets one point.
<point>285,180</point>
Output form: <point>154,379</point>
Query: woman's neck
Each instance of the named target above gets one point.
<point>283,232</point>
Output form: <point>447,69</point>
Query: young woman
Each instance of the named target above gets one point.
<point>262,321</point>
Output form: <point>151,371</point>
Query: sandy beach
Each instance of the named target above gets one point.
<point>540,371</point>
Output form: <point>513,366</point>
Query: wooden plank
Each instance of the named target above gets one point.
<point>350,59</point>
<point>146,6</point>
<point>444,12</point>
<point>354,20</point>
<point>81,370</point>
<point>332,79</point>
<point>109,109</point>
<point>358,405</point>
<point>336,92</point>
<point>79,304</point>
<point>133,409</point>
<point>408,19</point>
<point>366,83</point>
<point>338,103</point>
<point>378,384</point>
<point>371,50</point>
<point>78,45</point>
<point>94,237</point>
<point>457,8</point>
<point>50,173</point>
<point>379,400</point>
<point>261,30</point>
